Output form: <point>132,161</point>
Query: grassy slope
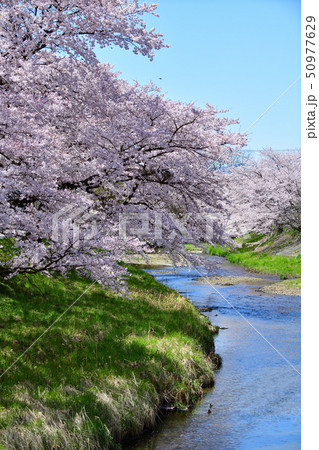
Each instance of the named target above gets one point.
<point>283,266</point>
<point>100,373</point>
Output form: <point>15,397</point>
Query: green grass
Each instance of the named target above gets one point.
<point>283,266</point>
<point>103,369</point>
<point>193,248</point>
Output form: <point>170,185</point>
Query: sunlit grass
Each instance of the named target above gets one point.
<point>100,373</point>
<point>283,266</point>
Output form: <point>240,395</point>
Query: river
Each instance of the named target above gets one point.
<point>256,397</point>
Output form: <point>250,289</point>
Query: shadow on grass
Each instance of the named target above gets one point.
<point>155,343</point>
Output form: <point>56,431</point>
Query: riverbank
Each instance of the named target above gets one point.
<point>283,266</point>
<point>285,287</point>
<point>102,371</point>
<point>275,255</point>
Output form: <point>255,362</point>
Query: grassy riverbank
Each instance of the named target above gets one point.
<point>264,254</point>
<point>283,266</point>
<point>259,255</point>
<point>103,369</point>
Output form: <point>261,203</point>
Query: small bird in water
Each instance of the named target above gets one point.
<point>210,405</point>
<point>209,411</point>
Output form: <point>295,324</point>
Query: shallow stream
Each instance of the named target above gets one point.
<point>256,397</point>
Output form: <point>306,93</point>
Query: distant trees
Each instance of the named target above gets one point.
<point>264,194</point>
<point>78,141</point>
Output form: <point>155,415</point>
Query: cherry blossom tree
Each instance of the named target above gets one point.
<point>76,140</point>
<point>264,195</point>
<point>38,28</point>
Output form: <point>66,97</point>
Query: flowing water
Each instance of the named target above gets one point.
<point>256,397</point>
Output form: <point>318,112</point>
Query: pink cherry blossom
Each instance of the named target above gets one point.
<point>264,195</point>
<point>75,136</point>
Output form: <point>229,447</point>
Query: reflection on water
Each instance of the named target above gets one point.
<point>256,398</point>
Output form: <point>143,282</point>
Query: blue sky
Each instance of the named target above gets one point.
<point>236,55</point>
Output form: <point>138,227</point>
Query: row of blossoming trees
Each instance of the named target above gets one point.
<point>78,144</point>
<point>264,194</point>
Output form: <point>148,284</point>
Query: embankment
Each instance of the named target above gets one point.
<point>278,255</point>
<point>101,372</point>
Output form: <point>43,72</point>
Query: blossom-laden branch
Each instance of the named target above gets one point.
<point>78,140</point>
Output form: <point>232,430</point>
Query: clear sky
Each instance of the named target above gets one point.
<point>234,54</point>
